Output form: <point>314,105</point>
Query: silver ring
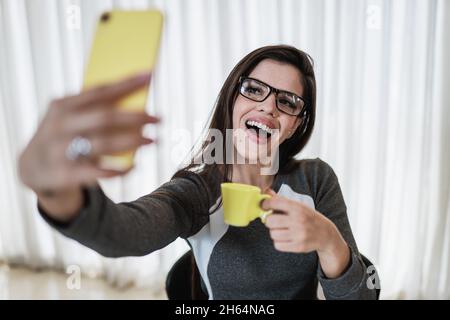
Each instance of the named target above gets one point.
<point>78,147</point>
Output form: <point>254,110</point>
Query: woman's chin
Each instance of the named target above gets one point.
<point>259,139</point>
<point>253,155</point>
<point>251,148</point>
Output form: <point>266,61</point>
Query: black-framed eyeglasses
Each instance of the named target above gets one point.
<point>258,91</point>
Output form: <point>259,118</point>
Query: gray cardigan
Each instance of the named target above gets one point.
<point>234,263</point>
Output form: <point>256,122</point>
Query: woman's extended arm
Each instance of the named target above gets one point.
<point>68,194</point>
<point>178,208</point>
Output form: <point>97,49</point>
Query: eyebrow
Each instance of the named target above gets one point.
<point>281,90</point>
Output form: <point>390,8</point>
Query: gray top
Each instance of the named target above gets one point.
<point>234,263</point>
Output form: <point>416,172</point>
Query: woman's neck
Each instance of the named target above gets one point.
<point>251,174</point>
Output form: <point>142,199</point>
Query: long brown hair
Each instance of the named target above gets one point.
<point>223,112</point>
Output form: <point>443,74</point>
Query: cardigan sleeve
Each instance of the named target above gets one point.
<point>178,208</point>
<point>354,282</point>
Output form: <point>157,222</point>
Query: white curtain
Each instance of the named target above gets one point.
<point>383,118</point>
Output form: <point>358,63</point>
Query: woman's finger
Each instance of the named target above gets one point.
<point>106,93</point>
<point>271,192</point>
<point>284,246</point>
<point>106,120</point>
<point>278,221</point>
<point>112,143</point>
<point>282,235</point>
<point>277,203</point>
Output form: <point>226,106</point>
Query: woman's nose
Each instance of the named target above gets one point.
<point>270,104</point>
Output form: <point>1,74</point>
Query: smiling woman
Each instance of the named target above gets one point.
<point>294,108</point>
<point>280,110</point>
<point>270,96</point>
<point>308,236</point>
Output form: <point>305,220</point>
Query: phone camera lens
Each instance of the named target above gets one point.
<point>105,17</point>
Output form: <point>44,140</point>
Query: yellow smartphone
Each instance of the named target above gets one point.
<point>125,43</point>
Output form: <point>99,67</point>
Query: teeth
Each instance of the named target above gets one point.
<point>260,125</point>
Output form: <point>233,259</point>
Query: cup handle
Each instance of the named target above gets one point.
<point>264,214</point>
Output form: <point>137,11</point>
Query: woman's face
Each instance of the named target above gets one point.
<point>249,143</point>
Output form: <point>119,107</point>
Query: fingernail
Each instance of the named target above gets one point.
<point>154,119</point>
<point>143,77</point>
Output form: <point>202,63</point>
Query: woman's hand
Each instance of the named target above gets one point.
<point>43,165</point>
<point>297,228</point>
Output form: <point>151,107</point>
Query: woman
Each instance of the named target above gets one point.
<point>269,98</point>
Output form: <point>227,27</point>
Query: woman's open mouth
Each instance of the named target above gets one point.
<point>258,132</point>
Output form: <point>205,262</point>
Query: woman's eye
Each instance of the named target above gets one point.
<point>287,103</point>
<point>254,90</point>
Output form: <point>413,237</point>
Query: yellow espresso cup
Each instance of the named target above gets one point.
<point>241,204</point>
